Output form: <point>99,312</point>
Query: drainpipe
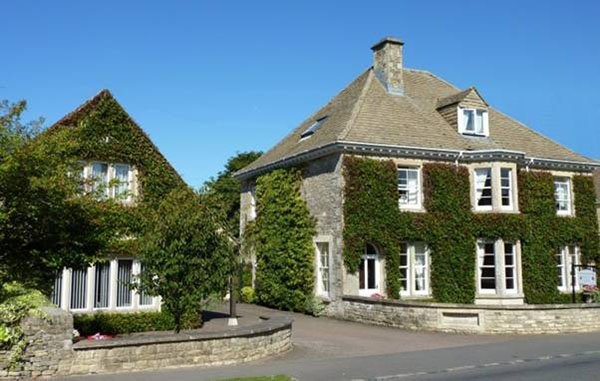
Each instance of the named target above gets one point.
<point>460,155</point>
<point>530,162</point>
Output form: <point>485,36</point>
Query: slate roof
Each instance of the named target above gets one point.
<point>365,113</point>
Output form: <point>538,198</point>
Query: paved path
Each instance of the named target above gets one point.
<point>326,349</point>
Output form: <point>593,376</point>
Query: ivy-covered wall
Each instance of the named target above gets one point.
<point>450,228</point>
<point>102,130</point>
<point>282,238</point>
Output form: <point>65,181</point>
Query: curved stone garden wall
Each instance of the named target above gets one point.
<point>50,351</point>
<point>466,318</point>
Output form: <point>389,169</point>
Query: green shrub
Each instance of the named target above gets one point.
<point>122,323</point>
<point>247,295</point>
<point>246,275</point>
<point>314,306</point>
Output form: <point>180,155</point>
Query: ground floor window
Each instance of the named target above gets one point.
<point>368,272</point>
<point>497,267</point>
<point>323,256</point>
<point>103,286</point>
<point>565,258</point>
<point>414,269</point>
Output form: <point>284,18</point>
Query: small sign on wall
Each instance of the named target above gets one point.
<point>587,277</point>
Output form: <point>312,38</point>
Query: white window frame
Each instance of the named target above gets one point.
<point>569,196</point>
<point>566,255</point>
<point>129,190</point>
<point>320,290</point>
<point>405,205</point>
<point>110,191</point>
<point>367,256</point>
<point>510,188</point>
<point>411,270</point>
<point>132,292</point>
<point>500,268</point>
<point>477,188</point>
<point>480,266</point>
<point>462,121</point>
<point>252,193</point>
<point>93,291</point>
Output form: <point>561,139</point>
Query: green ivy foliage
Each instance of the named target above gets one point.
<point>450,228</point>
<point>281,236</point>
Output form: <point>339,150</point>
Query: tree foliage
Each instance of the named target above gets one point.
<point>223,192</point>
<point>45,223</point>
<point>185,254</point>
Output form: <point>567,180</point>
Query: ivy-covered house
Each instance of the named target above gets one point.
<point>422,190</point>
<point>118,160</point>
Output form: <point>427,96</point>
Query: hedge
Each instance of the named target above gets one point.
<point>114,323</point>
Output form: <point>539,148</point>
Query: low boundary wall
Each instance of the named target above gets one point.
<point>145,352</point>
<point>466,318</point>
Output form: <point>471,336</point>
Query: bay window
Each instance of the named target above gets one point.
<point>414,269</point>
<point>409,188</point>
<point>124,279</point>
<point>102,285</point>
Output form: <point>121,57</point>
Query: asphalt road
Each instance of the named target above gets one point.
<point>326,349</point>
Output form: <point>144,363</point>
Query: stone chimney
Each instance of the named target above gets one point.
<point>387,63</point>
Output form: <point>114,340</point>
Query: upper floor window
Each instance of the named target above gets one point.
<point>109,180</point>
<point>494,188</point>
<point>409,188</point>
<point>483,188</point>
<point>473,121</point>
<point>562,195</point>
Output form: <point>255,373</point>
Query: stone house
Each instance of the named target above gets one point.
<point>414,117</point>
<point>119,161</point>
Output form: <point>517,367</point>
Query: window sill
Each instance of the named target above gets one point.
<point>495,211</point>
<point>418,209</point>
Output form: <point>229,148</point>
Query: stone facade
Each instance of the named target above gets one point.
<point>462,318</point>
<point>50,351</point>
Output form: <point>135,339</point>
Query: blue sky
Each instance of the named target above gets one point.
<point>209,79</point>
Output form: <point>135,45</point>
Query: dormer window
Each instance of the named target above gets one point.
<point>312,129</point>
<point>473,122</point>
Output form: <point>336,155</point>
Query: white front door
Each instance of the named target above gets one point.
<point>368,272</point>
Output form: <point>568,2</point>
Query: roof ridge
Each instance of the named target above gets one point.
<point>357,105</point>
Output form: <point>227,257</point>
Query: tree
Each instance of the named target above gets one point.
<point>45,222</point>
<point>186,256</point>
<point>223,193</point>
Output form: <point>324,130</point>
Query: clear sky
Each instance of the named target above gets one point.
<point>209,79</point>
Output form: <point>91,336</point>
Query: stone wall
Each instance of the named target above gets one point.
<point>522,319</point>
<point>51,353</point>
<point>49,339</point>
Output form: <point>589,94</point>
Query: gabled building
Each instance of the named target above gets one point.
<point>414,118</point>
<point>118,160</point>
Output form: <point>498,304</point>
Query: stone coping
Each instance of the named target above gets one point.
<point>268,325</point>
<point>522,307</point>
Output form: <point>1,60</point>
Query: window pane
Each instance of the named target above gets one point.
<point>102,285</point>
<point>124,282</point>
<point>145,299</point>
<point>509,265</point>
<point>78,289</point>
<point>100,178</point>
<point>506,186</point>
<point>56,295</point>
<point>371,273</point>
<point>469,120</point>
<point>323,249</point>
<point>479,122</point>
<point>487,267</point>
<point>562,194</point>
<point>483,186</point>
<point>408,186</point>
<point>122,177</point>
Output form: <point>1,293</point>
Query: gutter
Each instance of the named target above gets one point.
<point>457,156</point>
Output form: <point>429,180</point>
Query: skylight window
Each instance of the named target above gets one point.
<point>312,129</point>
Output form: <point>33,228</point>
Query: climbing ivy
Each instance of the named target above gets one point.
<point>450,229</point>
<point>281,236</point>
